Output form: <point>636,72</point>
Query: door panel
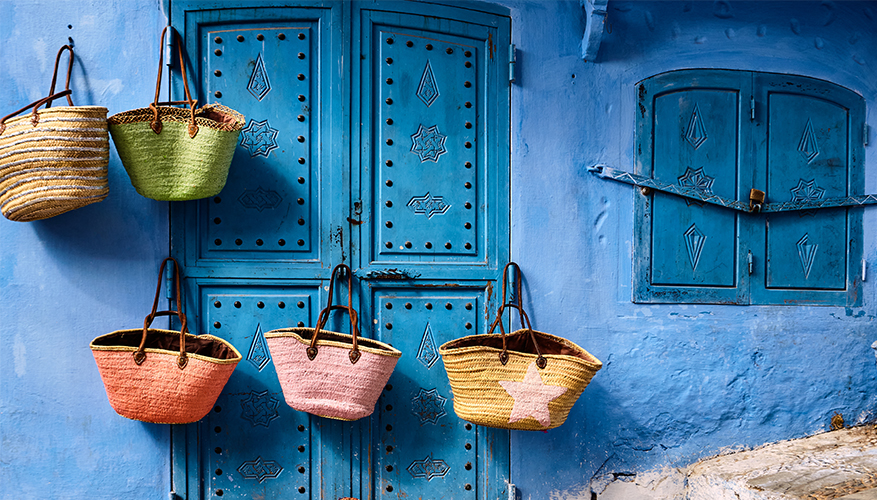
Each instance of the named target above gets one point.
<point>253,443</point>
<point>269,208</point>
<point>423,450</point>
<point>433,100</point>
<point>427,181</point>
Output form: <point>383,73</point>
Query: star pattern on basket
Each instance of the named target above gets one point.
<point>259,408</point>
<point>531,396</point>
<point>428,143</point>
<point>259,138</point>
<point>429,406</point>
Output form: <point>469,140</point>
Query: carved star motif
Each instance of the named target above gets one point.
<point>698,181</point>
<point>259,138</point>
<point>428,205</point>
<point>531,397</point>
<point>428,143</point>
<point>259,408</point>
<point>429,406</point>
<point>807,191</point>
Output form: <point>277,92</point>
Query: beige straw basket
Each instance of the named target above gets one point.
<point>53,160</point>
<point>525,380</point>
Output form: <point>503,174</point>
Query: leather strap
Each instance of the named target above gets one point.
<point>323,317</point>
<point>541,362</point>
<point>156,120</point>
<point>140,354</point>
<point>35,117</point>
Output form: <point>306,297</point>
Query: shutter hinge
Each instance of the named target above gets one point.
<point>749,262</point>
<point>864,269</point>
<point>512,63</point>
<point>752,108</point>
<point>512,491</point>
<point>866,132</point>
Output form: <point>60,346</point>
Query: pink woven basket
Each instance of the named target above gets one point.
<point>331,374</point>
<point>163,376</point>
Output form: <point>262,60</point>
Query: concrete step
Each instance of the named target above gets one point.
<point>831,466</point>
<point>862,495</point>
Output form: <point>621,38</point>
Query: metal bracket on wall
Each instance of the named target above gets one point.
<point>595,17</point>
<point>647,185</point>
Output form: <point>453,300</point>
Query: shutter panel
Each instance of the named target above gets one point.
<point>686,250</point>
<point>810,154</point>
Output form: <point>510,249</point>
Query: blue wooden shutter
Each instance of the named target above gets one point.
<point>812,151</point>
<point>434,191</point>
<point>689,133</point>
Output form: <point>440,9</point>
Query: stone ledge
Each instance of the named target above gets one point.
<point>835,465</point>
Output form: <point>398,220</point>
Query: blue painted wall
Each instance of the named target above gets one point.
<point>679,382</point>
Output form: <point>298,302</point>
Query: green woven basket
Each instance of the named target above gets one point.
<point>171,166</point>
<point>176,154</point>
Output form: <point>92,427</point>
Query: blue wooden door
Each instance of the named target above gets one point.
<point>433,186</point>
<point>396,165</point>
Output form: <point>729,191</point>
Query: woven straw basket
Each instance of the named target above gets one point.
<point>331,374</point>
<point>163,376</point>
<point>53,160</point>
<point>526,380</point>
<point>175,154</point>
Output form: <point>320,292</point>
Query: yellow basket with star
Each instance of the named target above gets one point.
<point>524,380</point>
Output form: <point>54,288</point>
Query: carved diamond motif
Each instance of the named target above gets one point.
<point>259,84</point>
<point>694,240</point>
<point>427,91</point>
<point>259,408</point>
<point>429,406</point>
<point>428,352</point>
<point>808,147</point>
<point>807,254</point>
<point>429,205</point>
<point>260,199</point>
<point>696,134</point>
<point>698,181</point>
<point>259,355</point>
<point>428,143</point>
<point>428,468</point>
<point>259,138</point>
<point>260,469</point>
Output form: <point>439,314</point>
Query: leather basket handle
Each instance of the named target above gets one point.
<point>140,353</point>
<point>323,317</point>
<point>35,117</point>
<point>156,120</point>
<point>541,361</point>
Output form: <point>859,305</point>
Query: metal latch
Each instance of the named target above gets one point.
<point>756,199</point>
